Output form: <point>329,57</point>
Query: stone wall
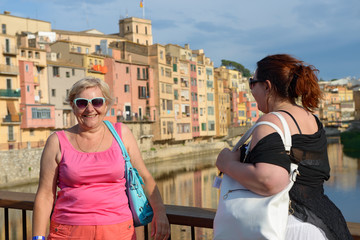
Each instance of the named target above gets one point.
<point>19,166</point>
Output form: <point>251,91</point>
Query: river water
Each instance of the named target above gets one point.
<point>188,182</point>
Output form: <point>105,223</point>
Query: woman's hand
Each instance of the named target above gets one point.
<point>160,228</point>
<point>225,158</point>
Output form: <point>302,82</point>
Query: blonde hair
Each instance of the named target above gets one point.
<point>89,82</point>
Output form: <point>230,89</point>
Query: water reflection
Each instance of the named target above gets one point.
<point>188,182</point>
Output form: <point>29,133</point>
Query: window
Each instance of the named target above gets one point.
<point>53,92</point>
<point>253,104</point>
<point>137,29</point>
<point>127,69</point>
<point>253,114</point>
<point>210,97</point>
<point>168,88</point>
<point>79,49</point>
<point>175,67</point>
<point>211,125</point>
<point>138,73</point>
<point>161,54</point>
<point>167,104</point>
<point>175,80</point>
<point>32,132</point>
<point>56,72</point>
<point>3,28</point>
<point>23,53</point>
<point>168,72</point>
<point>87,50</point>
<point>144,73</point>
<point>176,94</point>
<point>11,132</point>
<point>146,30</point>
<point>126,88</point>
<point>37,55</point>
<point>8,61</point>
<point>30,54</point>
<point>67,74</point>
<point>40,113</point>
<point>28,88</point>
<point>142,92</point>
<point>26,68</point>
<point>211,111</point>
<point>73,71</point>
<point>113,112</point>
<point>203,126</point>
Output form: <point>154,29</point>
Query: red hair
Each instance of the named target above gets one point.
<point>291,79</point>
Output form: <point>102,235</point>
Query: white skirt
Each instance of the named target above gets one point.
<point>299,230</point>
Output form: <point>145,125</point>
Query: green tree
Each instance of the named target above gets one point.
<point>236,66</point>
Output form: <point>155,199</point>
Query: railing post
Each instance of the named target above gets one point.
<point>192,232</point>
<point>24,224</point>
<point>6,214</point>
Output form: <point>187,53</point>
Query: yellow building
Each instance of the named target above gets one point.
<point>12,29</point>
<point>79,53</point>
<point>163,127</point>
<point>222,105</point>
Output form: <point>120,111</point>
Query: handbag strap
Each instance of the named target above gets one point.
<point>285,137</point>
<point>118,139</point>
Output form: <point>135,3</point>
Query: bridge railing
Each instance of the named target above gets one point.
<point>177,215</point>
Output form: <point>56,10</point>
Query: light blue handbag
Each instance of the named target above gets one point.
<point>139,204</point>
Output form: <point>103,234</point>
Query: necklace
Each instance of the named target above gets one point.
<point>98,145</point>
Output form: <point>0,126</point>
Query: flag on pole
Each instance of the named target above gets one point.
<point>141,4</point>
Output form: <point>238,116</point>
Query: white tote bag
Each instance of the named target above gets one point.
<point>242,214</point>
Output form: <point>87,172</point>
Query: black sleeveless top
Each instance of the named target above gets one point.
<point>308,201</point>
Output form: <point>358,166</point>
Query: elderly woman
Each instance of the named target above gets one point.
<point>279,81</point>
<point>86,163</point>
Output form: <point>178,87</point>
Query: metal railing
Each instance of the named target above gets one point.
<point>177,215</point>
<point>10,93</point>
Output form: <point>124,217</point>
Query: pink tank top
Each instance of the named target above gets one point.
<point>92,186</point>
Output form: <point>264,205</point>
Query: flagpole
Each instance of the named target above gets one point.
<point>143,9</point>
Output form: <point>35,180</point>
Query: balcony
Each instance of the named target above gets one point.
<point>10,50</point>
<point>13,119</point>
<point>38,116</point>
<point>9,70</point>
<point>193,217</point>
<point>9,93</point>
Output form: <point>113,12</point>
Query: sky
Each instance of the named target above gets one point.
<point>323,33</point>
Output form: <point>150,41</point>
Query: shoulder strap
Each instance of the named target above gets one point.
<point>297,125</point>
<point>286,136</point>
<point>118,139</point>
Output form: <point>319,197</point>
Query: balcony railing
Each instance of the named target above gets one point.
<point>9,93</point>
<point>14,118</point>
<point>8,69</point>
<point>177,215</point>
<point>9,50</point>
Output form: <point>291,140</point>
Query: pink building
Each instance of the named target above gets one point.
<point>194,101</point>
<point>252,111</point>
<point>131,84</point>
<point>34,113</point>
